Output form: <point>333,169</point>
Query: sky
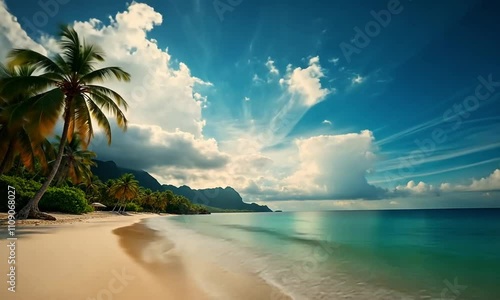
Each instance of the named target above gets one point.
<point>299,105</point>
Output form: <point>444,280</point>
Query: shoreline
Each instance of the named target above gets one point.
<point>117,257</point>
<point>192,276</point>
<point>64,218</point>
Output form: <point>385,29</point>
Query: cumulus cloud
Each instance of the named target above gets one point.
<point>165,112</point>
<point>415,188</point>
<point>485,184</point>
<point>166,124</point>
<point>333,167</point>
<point>12,35</point>
<point>306,82</point>
<point>151,147</point>
<point>166,137</point>
<point>160,92</point>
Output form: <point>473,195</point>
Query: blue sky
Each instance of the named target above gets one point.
<point>266,97</point>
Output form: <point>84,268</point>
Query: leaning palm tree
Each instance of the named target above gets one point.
<point>76,162</point>
<point>69,82</point>
<point>124,189</point>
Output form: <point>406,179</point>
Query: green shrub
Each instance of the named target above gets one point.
<point>88,209</point>
<point>25,190</point>
<point>132,206</point>
<point>64,199</point>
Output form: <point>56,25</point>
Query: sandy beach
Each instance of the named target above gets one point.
<point>115,257</point>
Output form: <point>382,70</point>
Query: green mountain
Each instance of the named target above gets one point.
<point>226,198</point>
<point>223,198</point>
<point>106,170</point>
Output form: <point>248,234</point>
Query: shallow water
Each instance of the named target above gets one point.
<point>409,254</point>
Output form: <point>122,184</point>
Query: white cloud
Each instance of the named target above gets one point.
<point>257,80</point>
<point>334,60</point>
<point>12,35</point>
<point>415,188</point>
<point>333,167</point>
<point>165,112</point>
<point>272,68</point>
<point>358,79</point>
<point>485,184</point>
<point>306,83</point>
<point>150,147</point>
<point>166,124</point>
<point>159,93</point>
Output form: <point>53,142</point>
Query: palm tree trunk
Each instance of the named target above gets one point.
<point>125,206</point>
<point>31,209</point>
<point>7,157</point>
<point>58,180</point>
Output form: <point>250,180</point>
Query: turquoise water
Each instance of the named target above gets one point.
<point>409,254</point>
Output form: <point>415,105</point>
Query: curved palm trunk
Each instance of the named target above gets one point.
<point>61,173</point>
<point>7,157</point>
<point>31,209</point>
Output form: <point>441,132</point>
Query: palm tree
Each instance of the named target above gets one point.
<point>92,188</point>
<point>17,137</point>
<point>69,82</point>
<point>76,163</point>
<point>124,189</point>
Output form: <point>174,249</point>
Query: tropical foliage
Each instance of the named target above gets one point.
<point>76,162</point>
<point>124,190</point>
<point>38,90</point>
<point>54,174</point>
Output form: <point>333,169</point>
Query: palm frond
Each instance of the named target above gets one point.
<point>43,110</point>
<point>102,121</point>
<point>106,102</point>
<point>83,121</point>
<point>20,57</point>
<point>101,75</point>
<point>70,45</point>
<point>109,93</point>
<point>26,151</point>
<point>89,55</point>
<point>13,86</point>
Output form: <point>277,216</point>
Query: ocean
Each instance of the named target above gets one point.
<point>393,254</point>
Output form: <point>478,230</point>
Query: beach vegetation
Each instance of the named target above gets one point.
<point>54,173</point>
<point>125,189</point>
<point>66,85</point>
